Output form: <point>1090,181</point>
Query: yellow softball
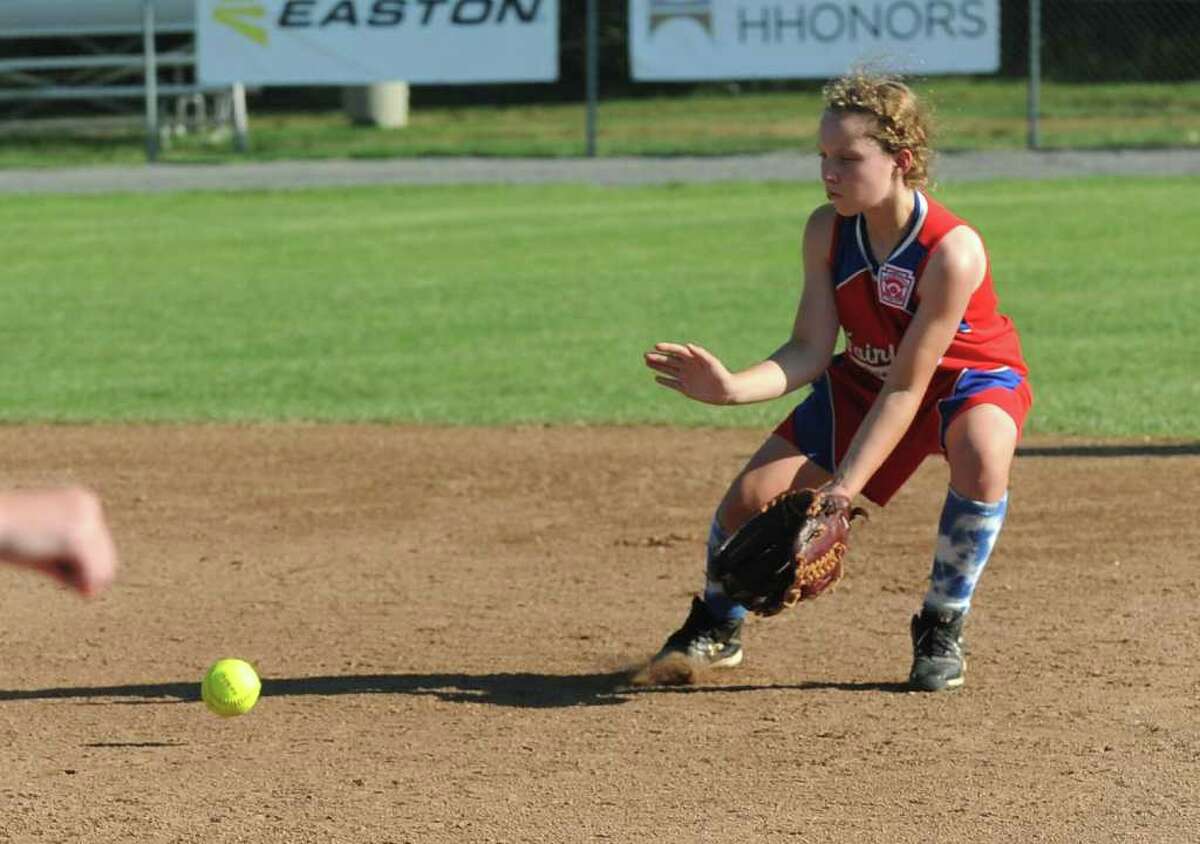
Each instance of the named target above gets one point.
<point>230,687</point>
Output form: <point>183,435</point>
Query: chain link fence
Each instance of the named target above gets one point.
<point>1110,73</point>
<point>1121,40</point>
<point>1105,74</point>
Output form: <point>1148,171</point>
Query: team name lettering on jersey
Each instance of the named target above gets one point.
<point>874,359</point>
<point>895,285</point>
<point>876,302</point>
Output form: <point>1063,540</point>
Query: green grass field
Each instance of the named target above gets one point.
<point>487,305</point>
<point>971,114</point>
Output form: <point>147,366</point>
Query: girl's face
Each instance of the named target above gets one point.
<point>856,172</point>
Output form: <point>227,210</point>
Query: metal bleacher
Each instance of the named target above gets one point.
<point>100,53</point>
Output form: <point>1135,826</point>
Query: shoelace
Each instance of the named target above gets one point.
<point>937,641</point>
<point>705,635</point>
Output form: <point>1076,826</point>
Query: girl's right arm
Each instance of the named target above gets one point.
<point>698,373</point>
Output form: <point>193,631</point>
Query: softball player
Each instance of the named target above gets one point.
<point>930,367</point>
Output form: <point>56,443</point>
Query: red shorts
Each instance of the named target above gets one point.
<point>822,426</point>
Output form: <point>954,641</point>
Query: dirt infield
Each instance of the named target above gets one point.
<point>444,619</point>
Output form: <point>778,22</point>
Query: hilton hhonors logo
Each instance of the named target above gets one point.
<point>244,16</point>
<point>662,11</point>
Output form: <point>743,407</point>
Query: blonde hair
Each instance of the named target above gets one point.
<point>901,120</point>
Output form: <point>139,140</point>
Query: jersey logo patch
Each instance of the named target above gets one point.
<point>895,285</point>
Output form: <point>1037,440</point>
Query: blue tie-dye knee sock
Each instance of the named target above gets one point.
<point>714,595</point>
<point>967,533</point>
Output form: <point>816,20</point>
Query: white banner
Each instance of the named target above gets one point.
<point>354,42</point>
<point>677,40</point>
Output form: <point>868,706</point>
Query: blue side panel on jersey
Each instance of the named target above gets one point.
<point>812,425</point>
<point>974,381</point>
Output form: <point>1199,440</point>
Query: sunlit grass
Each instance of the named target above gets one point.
<point>971,113</point>
<point>531,304</point>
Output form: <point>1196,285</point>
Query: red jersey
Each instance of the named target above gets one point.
<point>875,304</point>
<point>876,300</point>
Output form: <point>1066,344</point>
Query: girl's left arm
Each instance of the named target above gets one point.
<point>955,270</point>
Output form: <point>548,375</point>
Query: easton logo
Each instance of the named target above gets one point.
<point>700,11</point>
<point>895,285</point>
<point>243,16</point>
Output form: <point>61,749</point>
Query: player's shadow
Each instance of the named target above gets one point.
<point>522,690</point>
<point>807,686</point>
<point>517,689</point>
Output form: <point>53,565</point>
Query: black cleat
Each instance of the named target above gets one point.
<point>938,661</point>
<point>705,640</point>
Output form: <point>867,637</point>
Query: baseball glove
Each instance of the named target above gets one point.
<point>790,551</point>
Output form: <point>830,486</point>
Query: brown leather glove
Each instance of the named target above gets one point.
<point>790,551</point>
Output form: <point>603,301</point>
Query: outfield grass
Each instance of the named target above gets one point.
<point>971,114</point>
<point>534,304</point>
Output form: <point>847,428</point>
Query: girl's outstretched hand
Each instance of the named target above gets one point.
<point>692,370</point>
